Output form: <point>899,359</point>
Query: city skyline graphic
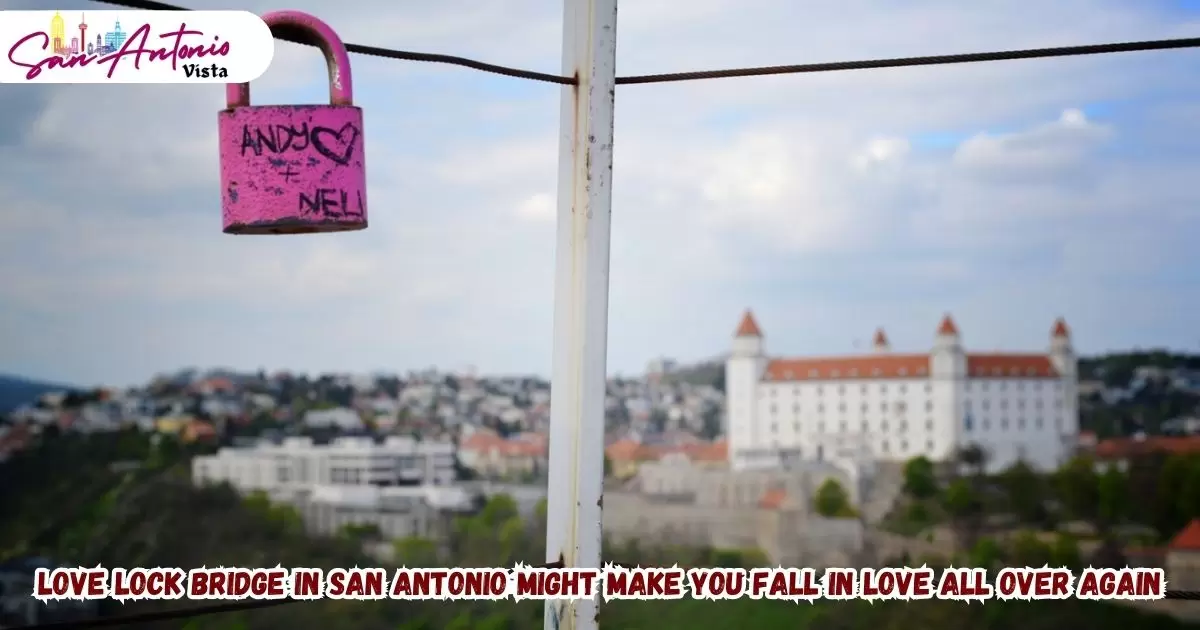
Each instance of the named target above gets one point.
<point>78,42</point>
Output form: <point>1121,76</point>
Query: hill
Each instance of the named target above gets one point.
<point>16,391</point>
<point>89,513</point>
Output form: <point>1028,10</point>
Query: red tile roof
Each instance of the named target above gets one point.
<point>772,499</point>
<point>1188,539</point>
<point>1060,328</point>
<point>947,327</point>
<point>486,442</point>
<point>907,366</point>
<point>1010,365</point>
<point>1117,448</point>
<point>748,327</point>
<point>866,367</point>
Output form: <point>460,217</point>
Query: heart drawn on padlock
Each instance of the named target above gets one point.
<point>336,145</point>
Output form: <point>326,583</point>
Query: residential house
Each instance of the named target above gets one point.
<point>1183,559</point>
<point>494,457</point>
<point>1119,452</point>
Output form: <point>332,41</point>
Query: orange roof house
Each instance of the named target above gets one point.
<point>1188,538</point>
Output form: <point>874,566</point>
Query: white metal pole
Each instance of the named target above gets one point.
<point>578,382</point>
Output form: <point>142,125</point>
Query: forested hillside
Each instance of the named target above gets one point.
<point>68,502</point>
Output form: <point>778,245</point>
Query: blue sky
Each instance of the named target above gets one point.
<point>1005,193</point>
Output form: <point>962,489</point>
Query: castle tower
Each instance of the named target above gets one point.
<point>743,370</point>
<point>1066,363</point>
<point>880,344</point>
<point>948,373</point>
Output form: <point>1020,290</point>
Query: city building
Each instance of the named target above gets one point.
<point>397,511</point>
<point>58,34</point>
<point>1015,406</point>
<point>297,464</point>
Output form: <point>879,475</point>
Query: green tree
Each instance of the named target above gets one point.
<point>413,551</point>
<point>1064,552</point>
<point>1026,549</point>
<point>832,501</point>
<point>711,423</point>
<point>1079,489</point>
<point>1172,478</point>
<point>1023,492</point>
<point>1189,496</point>
<point>962,505</point>
<point>986,553</point>
<point>920,480</point>
<point>1112,494</point>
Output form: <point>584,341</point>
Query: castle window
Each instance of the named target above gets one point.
<point>929,445</point>
<point>1021,423</point>
<point>876,372</point>
<point>1038,422</point>
<point>842,407</point>
<point>903,388</point>
<point>986,424</point>
<point>1004,424</point>
<point>903,371</point>
<point>812,373</point>
<point>921,371</point>
<point>968,423</point>
<point>863,389</point>
<point>903,446</point>
<point>928,388</point>
<point>788,374</point>
<point>841,389</point>
<point>864,407</point>
<point>883,389</point>
<point>884,446</point>
<point>834,373</point>
<point>773,409</point>
<point>929,424</point>
<point>796,408</point>
<point>928,406</point>
<point>853,372</point>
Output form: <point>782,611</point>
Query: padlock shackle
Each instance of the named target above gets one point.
<point>341,90</point>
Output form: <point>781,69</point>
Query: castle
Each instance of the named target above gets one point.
<point>892,407</point>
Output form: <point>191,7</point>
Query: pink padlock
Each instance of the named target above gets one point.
<point>295,169</point>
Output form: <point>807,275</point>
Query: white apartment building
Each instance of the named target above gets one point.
<point>1013,405</point>
<point>297,464</point>
<point>397,511</point>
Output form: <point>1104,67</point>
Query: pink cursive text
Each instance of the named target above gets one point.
<point>135,47</point>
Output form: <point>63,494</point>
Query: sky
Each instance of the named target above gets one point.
<point>1006,194</point>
